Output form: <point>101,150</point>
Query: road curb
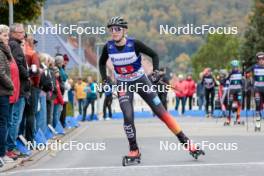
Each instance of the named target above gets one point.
<point>36,155</point>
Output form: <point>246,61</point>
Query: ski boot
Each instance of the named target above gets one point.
<point>133,157</point>
<point>195,151</point>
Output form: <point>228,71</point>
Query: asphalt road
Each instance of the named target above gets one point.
<point>240,151</point>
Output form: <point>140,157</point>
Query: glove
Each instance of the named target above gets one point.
<point>106,82</point>
<point>155,76</point>
<point>106,85</point>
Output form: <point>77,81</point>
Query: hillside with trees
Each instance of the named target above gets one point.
<point>145,17</point>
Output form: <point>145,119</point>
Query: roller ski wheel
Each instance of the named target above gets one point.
<point>194,150</point>
<point>196,153</point>
<point>131,160</point>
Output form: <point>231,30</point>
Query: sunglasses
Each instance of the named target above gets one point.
<point>261,57</point>
<point>115,29</point>
<point>20,32</point>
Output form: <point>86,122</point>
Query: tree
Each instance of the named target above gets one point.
<point>183,64</point>
<point>24,11</point>
<point>216,53</point>
<point>254,36</point>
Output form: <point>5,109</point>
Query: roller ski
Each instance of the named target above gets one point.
<point>133,158</point>
<point>195,151</point>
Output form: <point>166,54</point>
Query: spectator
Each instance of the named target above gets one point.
<point>71,98</point>
<point>46,86</point>
<point>90,90</point>
<point>191,90</point>
<point>108,100</point>
<point>17,35</point>
<point>37,117</point>
<point>209,84</point>
<point>200,92</point>
<point>58,102</point>
<point>181,92</point>
<point>80,95</point>
<point>66,61</point>
<point>53,93</point>
<point>67,87</point>
<point>13,123</point>
<point>247,91</point>
<point>6,90</point>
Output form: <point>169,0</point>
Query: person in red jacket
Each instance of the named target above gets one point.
<point>14,121</point>
<point>181,92</point>
<point>191,87</point>
<point>58,101</point>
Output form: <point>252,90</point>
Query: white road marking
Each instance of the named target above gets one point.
<point>136,167</point>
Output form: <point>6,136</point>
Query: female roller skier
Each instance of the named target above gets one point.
<point>125,54</point>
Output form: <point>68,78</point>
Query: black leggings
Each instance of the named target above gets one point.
<point>152,99</point>
<point>259,99</point>
<point>108,105</point>
<point>209,98</point>
<point>246,99</point>
<point>190,100</point>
